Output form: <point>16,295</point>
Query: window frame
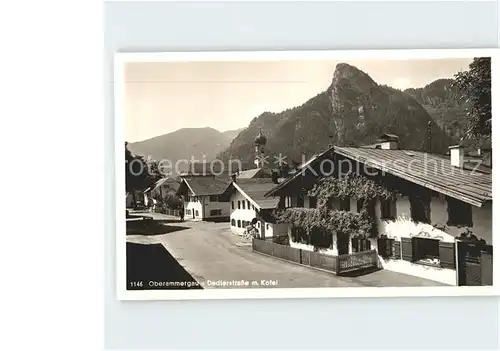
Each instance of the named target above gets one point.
<point>345,204</point>
<point>459,213</point>
<point>390,206</point>
<point>425,205</point>
<point>216,212</point>
<point>360,245</point>
<point>213,198</point>
<point>424,258</point>
<point>313,200</point>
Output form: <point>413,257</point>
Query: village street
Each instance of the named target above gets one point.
<point>212,255</point>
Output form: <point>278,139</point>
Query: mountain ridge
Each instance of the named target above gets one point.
<point>353,111</point>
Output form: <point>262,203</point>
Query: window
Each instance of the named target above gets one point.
<point>300,200</point>
<point>217,212</point>
<point>233,222</point>
<point>420,209</point>
<point>243,204</point>
<point>386,247</point>
<point>345,204</point>
<point>258,224</point>
<point>388,208</point>
<point>320,238</point>
<point>214,198</point>
<point>239,204</point>
<point>313,202</point>
<point>197,213</point>
<point>300,236</point>
<point>232,205</point>
<point>248,204</point>
<point>459,213</point>
<point>359,205</point>
<point>360,244</point>
<point>288,201</point>
<point>267,225</point>
<point>425,250</point>
<point>239,223</point>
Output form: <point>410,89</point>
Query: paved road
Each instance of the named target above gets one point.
<point>210,252</point>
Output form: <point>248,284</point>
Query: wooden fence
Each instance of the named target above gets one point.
<point>335,264</point>
<point>272,249</point>
<point>318,260</point>
<point>356,261</point>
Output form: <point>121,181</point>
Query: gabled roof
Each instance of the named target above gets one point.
<point>471,186</point>
<point>431,171</point>
<point>201,186</point>
<point>174,184</point>
<point>250,173</point>
<point>209,169</point>
<point>254,190</point>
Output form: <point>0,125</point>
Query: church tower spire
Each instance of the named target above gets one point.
<point>260,143</point>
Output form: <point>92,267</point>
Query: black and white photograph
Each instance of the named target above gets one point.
<point>304,174</point>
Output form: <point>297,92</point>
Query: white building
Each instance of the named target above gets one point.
<point>161,189</point>
<point>250,207</point>
<point>441,200</point>
<point>202,197</point>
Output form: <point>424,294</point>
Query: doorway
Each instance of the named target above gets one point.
<point>474,263</point>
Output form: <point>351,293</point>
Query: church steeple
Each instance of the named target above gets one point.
<point>260,143</point>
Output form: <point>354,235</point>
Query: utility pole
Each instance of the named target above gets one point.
<point>429,137</point>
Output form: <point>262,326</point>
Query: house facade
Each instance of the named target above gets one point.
<point>160,190</point>
<point>250,208</point>
<point>202,198</point>
<point>419,230</point>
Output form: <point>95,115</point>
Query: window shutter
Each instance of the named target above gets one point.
<point>397,250</point>
<point>407,249</point>
<point>447,255</point>
<point>382,247</point>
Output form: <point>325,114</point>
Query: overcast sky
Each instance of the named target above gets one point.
<point>162,97</point>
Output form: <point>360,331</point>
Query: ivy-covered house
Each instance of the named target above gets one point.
<point>413,207</point>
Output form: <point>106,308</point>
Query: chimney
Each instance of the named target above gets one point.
<point>388,142</point>
<point>457,156</point>
<point>233,177</point>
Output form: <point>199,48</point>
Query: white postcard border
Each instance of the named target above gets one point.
<point>121,58</point>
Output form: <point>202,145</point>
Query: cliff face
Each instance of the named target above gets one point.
<point>354,111</point>
<point>362,110</point>
<point>442,101</point>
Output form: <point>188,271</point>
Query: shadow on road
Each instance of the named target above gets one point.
<point>360,272</point>
<point>151,267</point>
<point>152,227</point>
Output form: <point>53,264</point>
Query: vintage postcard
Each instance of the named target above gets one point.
<point>305,174</point>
